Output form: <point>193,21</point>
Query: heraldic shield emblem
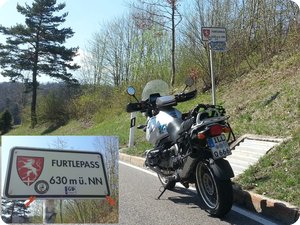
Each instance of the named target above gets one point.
<point>29,168</point>
<point>206,33</point>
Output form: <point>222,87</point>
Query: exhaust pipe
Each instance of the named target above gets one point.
<point>157,170</point>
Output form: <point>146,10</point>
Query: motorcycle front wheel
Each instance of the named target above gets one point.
<point>216,194</point>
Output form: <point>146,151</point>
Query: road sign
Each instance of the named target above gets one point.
<point>213,34</point>
<point>218,46</point>
<point>50,174</point>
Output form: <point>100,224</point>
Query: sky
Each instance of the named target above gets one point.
<point>74,143</point>
<point>85,18</point>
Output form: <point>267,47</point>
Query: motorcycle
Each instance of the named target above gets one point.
<point>188,147</point>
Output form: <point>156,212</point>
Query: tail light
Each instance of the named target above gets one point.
<point>216,130</point>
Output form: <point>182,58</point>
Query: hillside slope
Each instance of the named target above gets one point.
<point>265,101</point>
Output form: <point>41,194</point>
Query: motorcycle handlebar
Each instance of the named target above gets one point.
<point>134,107</point>
<point>185,96</point>
<point>144,105</point>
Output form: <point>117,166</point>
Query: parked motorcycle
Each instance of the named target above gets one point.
<point>188,147</point>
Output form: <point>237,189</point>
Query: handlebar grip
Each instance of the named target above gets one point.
<point>134,107</point>
<point>185,96</point>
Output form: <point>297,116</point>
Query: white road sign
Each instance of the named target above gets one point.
<point>214,34</point>
<point>50,174</point>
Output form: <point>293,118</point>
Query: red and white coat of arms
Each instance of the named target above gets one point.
<point>29,168</point>
<point>206,33</point>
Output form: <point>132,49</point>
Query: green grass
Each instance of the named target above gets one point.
<point>249,103</point>
<point>248,100</point>
<point>277,174</point>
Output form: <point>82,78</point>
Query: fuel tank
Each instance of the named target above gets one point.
<point>157,125</point>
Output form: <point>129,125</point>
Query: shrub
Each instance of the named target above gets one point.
<point>92,101</point>
<point>53,108</point>
<point>5,122</point>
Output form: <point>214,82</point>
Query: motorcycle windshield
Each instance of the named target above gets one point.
<point>155,87</point>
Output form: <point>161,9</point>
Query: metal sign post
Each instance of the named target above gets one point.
<point>213,88</point>
<point>216,39</point>
<point>132,129</point>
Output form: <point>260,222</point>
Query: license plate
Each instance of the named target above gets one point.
<point>219,146</point>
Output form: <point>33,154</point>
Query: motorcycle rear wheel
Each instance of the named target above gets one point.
<point>216,194</point>
<point>164,182</point>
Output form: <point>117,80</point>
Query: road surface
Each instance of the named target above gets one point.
<point>138,205</point>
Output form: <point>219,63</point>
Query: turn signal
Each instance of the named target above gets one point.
<point>226,130</point>
<point>201,136</point>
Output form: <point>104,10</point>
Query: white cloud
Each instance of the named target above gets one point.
<point>2,2</point>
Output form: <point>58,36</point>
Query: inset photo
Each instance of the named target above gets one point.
<point>59,179</point>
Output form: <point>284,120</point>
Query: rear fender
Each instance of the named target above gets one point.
<point>221,169</point>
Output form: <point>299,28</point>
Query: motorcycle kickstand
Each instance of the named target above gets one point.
<point>165,188</point>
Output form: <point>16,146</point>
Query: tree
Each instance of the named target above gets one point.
<point>5,122</point>
<point>164,13</point>
<point>124,51</point>
<point>94,68</point>
<point>38,47</point>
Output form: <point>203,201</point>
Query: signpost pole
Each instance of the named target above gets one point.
<point>49,213</point>
<point>216,39</point>
<point>213,88</point>
<point>132,129</point>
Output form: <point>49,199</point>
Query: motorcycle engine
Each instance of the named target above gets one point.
<point>165,158</point>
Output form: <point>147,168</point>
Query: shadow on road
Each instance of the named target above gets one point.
<point>192,200</point>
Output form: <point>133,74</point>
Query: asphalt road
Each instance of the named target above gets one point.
<point>138,204</point>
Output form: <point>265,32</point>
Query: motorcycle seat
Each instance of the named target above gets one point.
<point>177,127</point>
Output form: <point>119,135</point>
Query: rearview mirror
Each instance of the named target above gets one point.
<point>131,91</point>
<point>189,82</point>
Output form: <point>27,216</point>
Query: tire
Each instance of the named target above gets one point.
<point>164,182</point>
<point>216,194</point>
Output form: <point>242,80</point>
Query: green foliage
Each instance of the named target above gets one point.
<point>48,56</point>
<point>94,99</point>
<point>89,211</point>
<point>53,109</point>
<point>5,122</point>
<point>37,47</point>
